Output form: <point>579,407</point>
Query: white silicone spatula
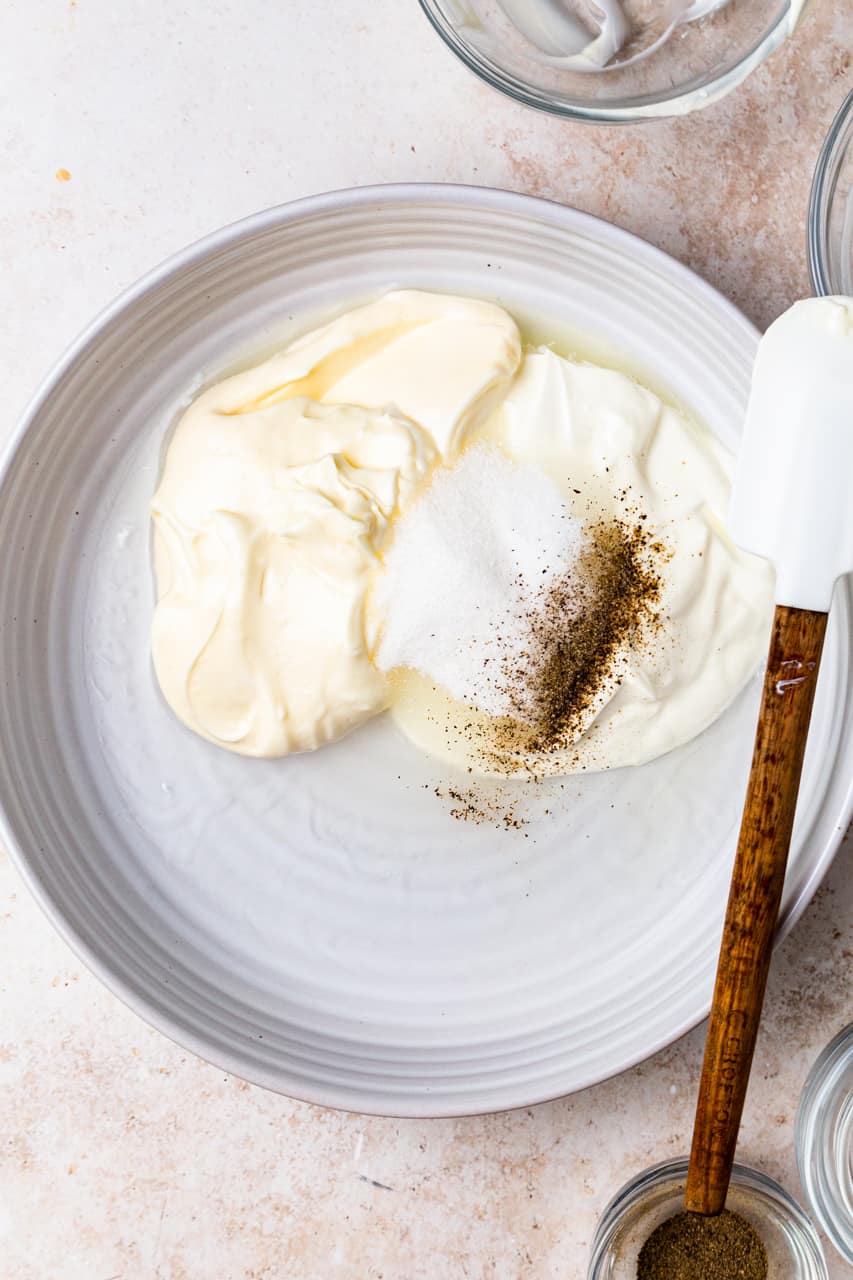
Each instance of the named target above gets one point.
<point>792,503</point>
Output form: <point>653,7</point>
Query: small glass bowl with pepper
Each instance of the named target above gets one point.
<point>791,1244</point>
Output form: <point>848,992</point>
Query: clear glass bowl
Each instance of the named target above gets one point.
<point>825,1141</point>
<point>667,65</point>
<point>794,1251</point>
<point>831,209</point>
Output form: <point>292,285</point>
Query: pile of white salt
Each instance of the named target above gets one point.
<point>467,565</point>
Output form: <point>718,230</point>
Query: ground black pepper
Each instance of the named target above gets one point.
<point>473,804</point>
<point>581,629</point>
<point>571,657</point>
<point>692,1247</point>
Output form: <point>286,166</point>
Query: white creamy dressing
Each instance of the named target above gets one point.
<point>282,485</point>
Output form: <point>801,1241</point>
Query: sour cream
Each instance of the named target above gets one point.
<point>599,432</point>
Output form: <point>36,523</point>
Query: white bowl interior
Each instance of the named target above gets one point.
<point>322,925</point>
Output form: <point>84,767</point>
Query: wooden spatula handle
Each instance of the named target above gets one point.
<point>754,898</point>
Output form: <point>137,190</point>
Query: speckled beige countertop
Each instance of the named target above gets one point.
<point>127,130</point>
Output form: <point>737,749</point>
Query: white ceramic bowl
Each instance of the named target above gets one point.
<point>322,925</point>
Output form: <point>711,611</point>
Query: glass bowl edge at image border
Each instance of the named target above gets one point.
<point>837,144</point>
<point>825,1106</point>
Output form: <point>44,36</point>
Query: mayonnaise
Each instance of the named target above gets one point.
<point>445,362</point>
<point>277,493</point>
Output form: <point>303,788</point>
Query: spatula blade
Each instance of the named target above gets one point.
<point>792,500</point>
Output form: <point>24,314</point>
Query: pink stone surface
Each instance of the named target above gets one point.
<point>123,1157</point>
